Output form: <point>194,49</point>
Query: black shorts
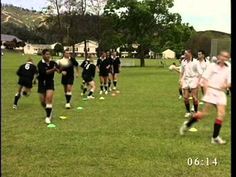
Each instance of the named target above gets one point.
<point>104,73</point>
<point>87,79</point>
<point>25,82</point>
<point>65,80</point>
<point>44,86</point>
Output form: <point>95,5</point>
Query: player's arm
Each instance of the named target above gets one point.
<point>98,65</point>
<point>93,70</point>
<point>181,74</point>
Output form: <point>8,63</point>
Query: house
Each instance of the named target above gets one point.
<point>79,48</point>
<point>7,38</point>
<point>168,54</point>
<point>35,48</point>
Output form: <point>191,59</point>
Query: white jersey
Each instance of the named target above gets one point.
<point>190,68</point>
<point>203,65</point>
<point>217,76</point>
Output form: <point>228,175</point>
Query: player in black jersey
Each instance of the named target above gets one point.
<point>67,78</point>
<point>103,67</point>
<point>46,70</point>
<point>114,69</point>
<point>26,73</point>
<point>88,75</point>
<point>83,65</point>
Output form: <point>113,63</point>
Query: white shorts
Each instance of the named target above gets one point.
<point>214,96</point>
<point>190,83</point>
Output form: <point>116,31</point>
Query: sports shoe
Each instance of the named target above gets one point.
<point>201,103</point>
<point>100,92</point>
<point>81,94</point>
<point>192,109</point>
<point>106,92</point>
<point>114,88</point>
<point>187,115</point>
<point>180,97</point>
<point>67,106</point>
<point>14,106</point>
<point>183,128</point>
<point>218,140</point>
<point>190,98</point>
<point>47,120</point>
<point>109,89</point>
<point>90,97</point>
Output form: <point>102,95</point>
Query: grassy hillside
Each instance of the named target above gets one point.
<point>20,17</point>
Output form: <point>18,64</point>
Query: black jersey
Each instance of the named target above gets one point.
<point>70,69</point>
<point>45,81</point>
<point>115,65</point>
<point>27,71</point>
<point>89,72</point>
<point>104,66</point>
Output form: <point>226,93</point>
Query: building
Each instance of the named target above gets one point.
<point>168,54</point>
<point>79,48</point>
<point>35,48</point>
<point>8,38</point>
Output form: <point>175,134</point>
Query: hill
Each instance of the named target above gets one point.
<point>20,17</point>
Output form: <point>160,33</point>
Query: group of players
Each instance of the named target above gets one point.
<point>107,66</point>
<point>214,80</point>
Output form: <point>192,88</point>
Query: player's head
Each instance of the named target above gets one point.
<point>46,54</point>
<point>201,54</point>
<point>30,60</point>
<point>104,55</point>
<point>66,53</point>
<point>223,56</point>
<point>188,54</point>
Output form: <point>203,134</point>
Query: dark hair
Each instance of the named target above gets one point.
<point>189,51</point>
<point>202,51</point>
<point>66,50</point>
<point>44,51</point>
<point>174,64</point>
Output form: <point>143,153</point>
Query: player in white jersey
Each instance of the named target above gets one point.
<point>190,74</point>
<point>203,63</point>
<point>217,78</point>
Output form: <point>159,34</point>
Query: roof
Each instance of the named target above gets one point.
<point>7,37</point>
<point>168,50</point>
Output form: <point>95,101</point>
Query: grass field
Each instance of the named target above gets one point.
<point>134,134</point>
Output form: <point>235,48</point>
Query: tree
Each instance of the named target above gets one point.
<point>143,22</point>
<point>58,48</point>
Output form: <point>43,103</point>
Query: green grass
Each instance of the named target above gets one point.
<point>134,134</point>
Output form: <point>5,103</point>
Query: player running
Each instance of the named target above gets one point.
<point>190,74</point>
<point>27,74</point>
<point>67,78</point>
<point>46,70</point>
<point>114,69</point>
<point>217,78</point>
<point>103,67</point>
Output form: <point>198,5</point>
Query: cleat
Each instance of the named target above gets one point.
<point>100,92</point>
<point>47,120</point>
<point>90,97</point>
<point>81,94</point>
<point>67,106</point>
<point>109,89</point>
<point>187,115</point>
<point>180,97</point>
<point>201,103</point>
<point>114,88</point>
<point>183,128</point>
<point>218,140</point>
<point>14,106</point>
<point>106,92</point>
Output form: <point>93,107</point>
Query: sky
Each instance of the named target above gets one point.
<point>201,14</point>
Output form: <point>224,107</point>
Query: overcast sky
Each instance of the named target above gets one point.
<point>201,14</point>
